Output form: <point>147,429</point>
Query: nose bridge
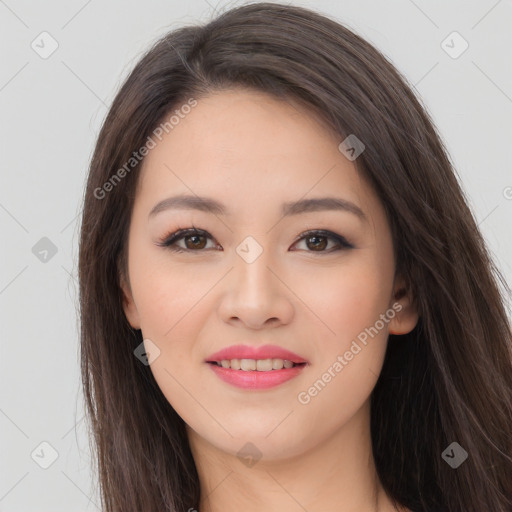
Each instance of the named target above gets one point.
<point>252,273</point>
<point>255,294</point>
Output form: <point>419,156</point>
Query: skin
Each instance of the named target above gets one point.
<point>252,153</point>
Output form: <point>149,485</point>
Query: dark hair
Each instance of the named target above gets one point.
<point>450,379</point>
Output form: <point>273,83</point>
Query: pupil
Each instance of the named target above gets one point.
<point>195,243</point>
<point>322,244</point>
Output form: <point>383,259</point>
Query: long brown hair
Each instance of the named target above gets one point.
<point>449,380</point>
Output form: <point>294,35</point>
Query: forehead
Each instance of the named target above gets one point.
<point>237,143</point>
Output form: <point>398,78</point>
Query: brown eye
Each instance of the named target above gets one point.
<point>316,242</point>
<point>319,240</point>
<point>195,241</point>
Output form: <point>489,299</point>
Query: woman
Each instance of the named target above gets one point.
<point>285,299</point>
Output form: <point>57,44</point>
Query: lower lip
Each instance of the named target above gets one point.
<point>254,379</point>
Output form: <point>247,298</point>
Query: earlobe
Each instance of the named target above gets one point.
<point>403,304</point>
<point>129,307</point>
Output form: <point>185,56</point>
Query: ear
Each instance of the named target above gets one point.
<point>404,305</point>
<point>129,307</point>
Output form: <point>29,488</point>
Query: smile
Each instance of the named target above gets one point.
<point>261,367</point>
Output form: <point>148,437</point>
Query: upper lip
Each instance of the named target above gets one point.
<point>259,352</point>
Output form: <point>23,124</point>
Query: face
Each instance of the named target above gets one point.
<point>316,279</point>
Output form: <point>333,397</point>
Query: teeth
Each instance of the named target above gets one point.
<point>248,364</point>
<point>260,365</point>
<point>264,365</point>
<point>277,364</point>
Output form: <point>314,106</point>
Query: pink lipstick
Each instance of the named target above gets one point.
<point>259,367</point>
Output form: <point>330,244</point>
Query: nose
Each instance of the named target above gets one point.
<point>256,295</point>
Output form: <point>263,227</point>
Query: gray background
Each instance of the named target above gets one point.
<point>51,111</point>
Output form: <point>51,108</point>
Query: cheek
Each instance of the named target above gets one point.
<point>168,295</point>
<point>348,362</point>
<point>346,299</point>
<point>174,304</point>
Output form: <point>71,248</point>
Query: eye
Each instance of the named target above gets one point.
<point>318,241</point>
<point>196,239</point>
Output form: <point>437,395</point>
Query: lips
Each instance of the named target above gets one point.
<point>241,366</point>
<point>248,352</point>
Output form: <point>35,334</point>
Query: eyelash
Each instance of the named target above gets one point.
<point>169,241</point>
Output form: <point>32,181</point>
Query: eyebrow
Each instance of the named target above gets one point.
<point>210,205</point>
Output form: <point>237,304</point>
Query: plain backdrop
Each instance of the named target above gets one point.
<point>52,107</point>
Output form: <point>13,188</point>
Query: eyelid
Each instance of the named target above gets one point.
<point>180,233</point>
<point>169,240</point>
<point>327,234</point>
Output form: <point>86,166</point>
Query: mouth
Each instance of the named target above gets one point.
<point>256,379</point>
<point>258,365</point>
<point>261,367</point>
<point>262,354</point>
